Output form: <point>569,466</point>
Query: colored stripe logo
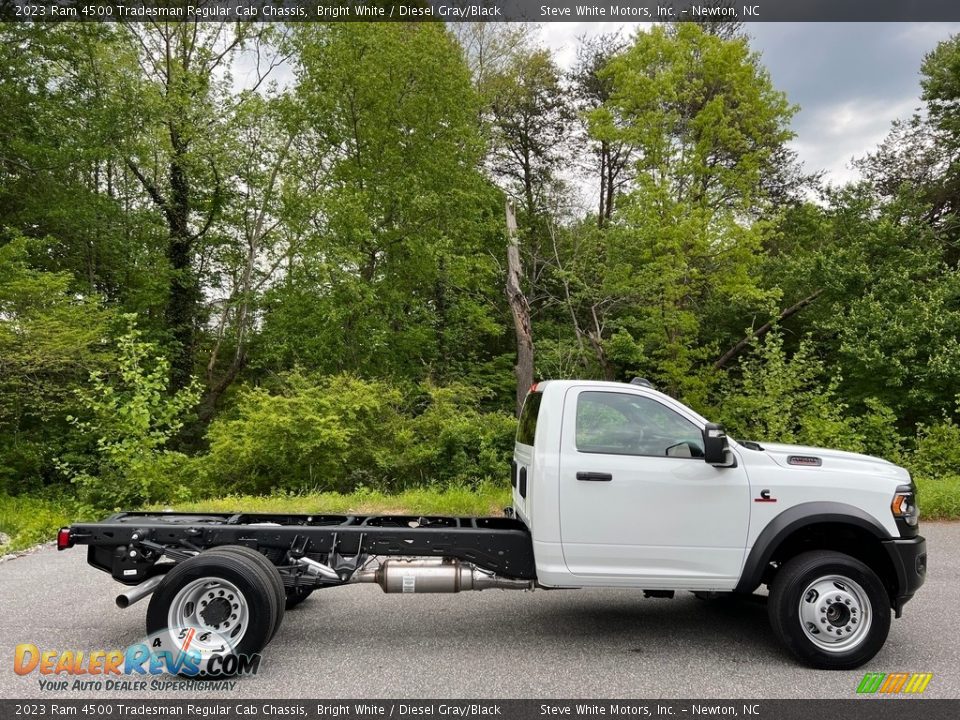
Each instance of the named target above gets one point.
<point>893,683</point>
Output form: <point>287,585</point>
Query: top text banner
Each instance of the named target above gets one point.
<point>480,10</point>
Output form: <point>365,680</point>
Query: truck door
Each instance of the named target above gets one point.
<point>638,504</point>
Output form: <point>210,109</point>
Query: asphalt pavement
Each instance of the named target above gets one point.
<point>357,642</point>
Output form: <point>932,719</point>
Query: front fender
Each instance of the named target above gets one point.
<point>796,518</point>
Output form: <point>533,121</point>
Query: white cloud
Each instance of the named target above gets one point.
<point>563,38</point>
<point>836,134</point>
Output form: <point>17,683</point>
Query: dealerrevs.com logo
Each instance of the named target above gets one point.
<point>894,683</point>
<point>192,654</point>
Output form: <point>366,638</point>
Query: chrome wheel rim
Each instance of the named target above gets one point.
<point>835,613</point>
<point>214,610</point>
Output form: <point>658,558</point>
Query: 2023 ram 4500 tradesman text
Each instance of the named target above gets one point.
<point>614,485</point>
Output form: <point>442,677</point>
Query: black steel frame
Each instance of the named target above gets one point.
<point>128,545</point>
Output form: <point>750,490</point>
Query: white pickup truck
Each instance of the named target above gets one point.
<point>614,485</point>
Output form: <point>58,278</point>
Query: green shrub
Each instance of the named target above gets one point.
<point>451,440</point>
<point>339,433</point>
<point>22,462</point>
<point>938,498</point>
<point>936,452</point>
<point>935,465</point>
<point>121,459</point>
<point>326,433</point>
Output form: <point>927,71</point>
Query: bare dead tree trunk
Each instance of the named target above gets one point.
<point>520,309</point>
<point>764,329</point>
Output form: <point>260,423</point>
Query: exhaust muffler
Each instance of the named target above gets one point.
<point>434,575</point>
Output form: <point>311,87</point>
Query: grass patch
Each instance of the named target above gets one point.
<point>488,499</point>
<point>26,521</point>
<point>939,498</point>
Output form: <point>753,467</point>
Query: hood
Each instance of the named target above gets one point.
<point>834,461</point>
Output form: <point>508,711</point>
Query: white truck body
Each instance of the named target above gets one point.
<point>671,523</point>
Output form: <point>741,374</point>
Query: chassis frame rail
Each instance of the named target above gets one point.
<point>122,543</point>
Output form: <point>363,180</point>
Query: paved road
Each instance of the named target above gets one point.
<point>356,642</point>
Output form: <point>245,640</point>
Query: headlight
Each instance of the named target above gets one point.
<point>904,507</point>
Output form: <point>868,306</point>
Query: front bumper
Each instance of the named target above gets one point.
<point>909,559</point>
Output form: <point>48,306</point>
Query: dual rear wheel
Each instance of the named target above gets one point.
<point>220,606</point>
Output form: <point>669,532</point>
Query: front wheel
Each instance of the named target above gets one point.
<point>830,610</point>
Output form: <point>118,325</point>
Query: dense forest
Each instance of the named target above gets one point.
<point>261,259</point>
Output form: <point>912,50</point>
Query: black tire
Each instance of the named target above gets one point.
<point>221,576</point>
<point>297,595</point>
<point>270,569</point>
<point>818,602</point>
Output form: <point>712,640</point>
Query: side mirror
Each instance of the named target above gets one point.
<point>714,444</point>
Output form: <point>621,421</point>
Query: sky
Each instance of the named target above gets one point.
<point>851,80</point>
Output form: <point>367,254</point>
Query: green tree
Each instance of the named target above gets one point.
<point>529,115</point>
<point>393,275</point>
<point>52,335</point>
<point>888,310</point>
<point>708,126</point>
<point>918,164</point>
<point>780,397</point>
<point>592,89</point>
<point>61,181</point>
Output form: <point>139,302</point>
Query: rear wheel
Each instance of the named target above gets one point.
<point>210,610</point>
<point>269,568</point>
<point>830,610</point>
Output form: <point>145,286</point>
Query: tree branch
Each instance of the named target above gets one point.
<point>764,329</point>
<point>152,190</point>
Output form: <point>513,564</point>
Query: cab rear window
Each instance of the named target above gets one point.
<point>527,426</point>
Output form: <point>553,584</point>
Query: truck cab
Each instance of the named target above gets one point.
<point>624,486</point>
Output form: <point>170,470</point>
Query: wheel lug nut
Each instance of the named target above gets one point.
<point>849,629</point>
<point>846,602</point>
<point>838,599</point>
<point>823,621</point>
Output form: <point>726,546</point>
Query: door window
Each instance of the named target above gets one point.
<point>625,424</point>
